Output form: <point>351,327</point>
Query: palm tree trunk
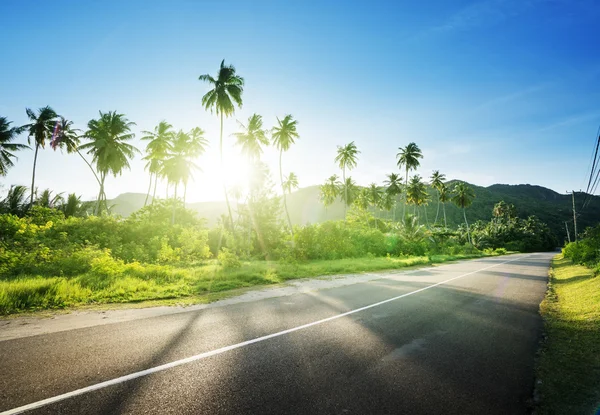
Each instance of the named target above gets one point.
<point>345,191</point>
<point>467,223</point>
<point>149,188</point>
<point>444,209</point>
<point>284,197</point>
<point>426,219</point>
<point>100,194</point>
<point>405,187</point>
<point>89,165</point>
<point>37,147</point>
<point>155,183</point>
<point>223,172</point>
<point>174,202</point>
<point>438,209</point>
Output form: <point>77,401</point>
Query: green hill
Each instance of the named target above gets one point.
<point>305,206</point>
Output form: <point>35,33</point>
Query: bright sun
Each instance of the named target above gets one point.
<point>237,170</point>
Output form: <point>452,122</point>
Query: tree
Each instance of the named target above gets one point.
<point>40,129</point>
<point>47,200</point>
<point>388,202</point>
<point>15,201</point>
<point>72,206</point>
<point>108,146</point>
<point>393,187</point>
<point>408,157</point>
<point>7,149</point>
<point>437,180</point>
<point>375,196</point>
<point>416,192</point>
<point>252,137</point>
<point>444,197</point>
<point>347,158</point>
<point>350,192</point>
<point>159,144</point>
<point>290,183</point>
<point>462,197</point>
<point>329,191</point>
<point>284,135</point>
<point>226,92</point>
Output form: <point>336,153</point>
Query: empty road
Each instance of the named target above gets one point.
<point>455,339</point>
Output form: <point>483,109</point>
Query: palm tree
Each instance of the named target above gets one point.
<point>47,200</point>
<point>329,191</point>
<point>15,201</point>
<point>351,191</point>
<point>462,197</point>
<point>388,202</point>
<point>284,135</point>
<point>251,137</point>
<point>416,192</point>
<point>108,136</point>
<point>393,188</point>
<point>7,149</point>
<point>409,158</point>
<point>72,206</point>
<point>290,183</point>
<point>159,143</point>
<point>437,180</point>
<point>444,196</point>
<point>41,127</point>
<point>194,146</point>
<point>375,196</point>
<point>346,158</point>
<point>226,93</point>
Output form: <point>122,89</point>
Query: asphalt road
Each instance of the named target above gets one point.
<point>464,346</point>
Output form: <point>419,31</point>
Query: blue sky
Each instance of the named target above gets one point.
<point>493,91</point>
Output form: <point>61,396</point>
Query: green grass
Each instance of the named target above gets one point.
<point>569,362</point>
<point>112,282</point>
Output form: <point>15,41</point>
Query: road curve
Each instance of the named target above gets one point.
<point>454,339</point>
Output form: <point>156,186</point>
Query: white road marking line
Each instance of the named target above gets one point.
<point>204,355</point>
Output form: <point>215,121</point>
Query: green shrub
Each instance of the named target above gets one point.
<point>228,259</point>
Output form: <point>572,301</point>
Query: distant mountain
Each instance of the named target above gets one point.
<point>305,206</point>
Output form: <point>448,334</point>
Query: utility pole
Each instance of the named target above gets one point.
<point>568,235</point>
<point>574,214</point>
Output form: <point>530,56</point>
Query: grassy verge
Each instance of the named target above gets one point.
<point>134,283</point>
<point>569,363</point>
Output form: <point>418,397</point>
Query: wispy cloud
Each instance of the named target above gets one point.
<point>572,120</point>
<point>513,96</point>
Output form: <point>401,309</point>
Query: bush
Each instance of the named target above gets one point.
<point>228,259</point>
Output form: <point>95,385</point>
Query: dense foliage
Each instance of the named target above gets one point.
<point>586,250</point>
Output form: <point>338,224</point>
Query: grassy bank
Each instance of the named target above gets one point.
<point>110,283</point>
<point>569,364</point>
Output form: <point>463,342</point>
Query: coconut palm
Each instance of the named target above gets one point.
<point>252,137</point>
<point>444,197</point>
<point>195,146</point>
<point>72,206</point>
<point>159,143</point>
<point>346,158</point>
<point>290,183</point>
<point>408,157</point>
<point>375,195</point>
<point>48,200</point>
<point>437,180</point>
<point>108,146</point>
<point>7,149</point>
<point>388,202</point>
<point>39,130</point>
<point>284,135</point>
<point>225,94</point>
<point>329,191</point>
<point>462,197</point>
<point>15,201</point>
<point>393,187</point>
<point>350,192</point>
<point>416,192</point>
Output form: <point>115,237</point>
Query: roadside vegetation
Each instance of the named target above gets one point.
<point>58,252</point>
<point>569,362</point>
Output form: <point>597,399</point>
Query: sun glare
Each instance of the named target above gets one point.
<point>237,171</point>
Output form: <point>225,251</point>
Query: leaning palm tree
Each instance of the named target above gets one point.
<point>444,197</point>
<point>284,134</point>
<point>346,158</point>
<point>159,143</point>
<point>393,187</point>
<point>462,197</point>
<point>252,137</point>
<point>108,145</point>
<point>7,149</point>
<point>40,129</point>
<point>408,157</point>
<point>437,180</point>
<point>226,93</point>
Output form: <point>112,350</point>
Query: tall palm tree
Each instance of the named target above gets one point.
<point>437,180</point>
<point>108,145</point>
<point>462,197</point>
<point>194,146</point>
<point>290,183</point>
<point>40,129</point>
<point>68,138</point>
<point>252,137</point>
<point>408,157</point>
<point>444,197</point>
<point>375,196</point>
<point>388,202</point>
<point>329,191</point>
<point>7,149</point>
<point>346,158</point>
<point>159,144</point>
<point>226,92</point>
<point>284,135</point>
<point>416,192</point>
<point>393,187</point>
